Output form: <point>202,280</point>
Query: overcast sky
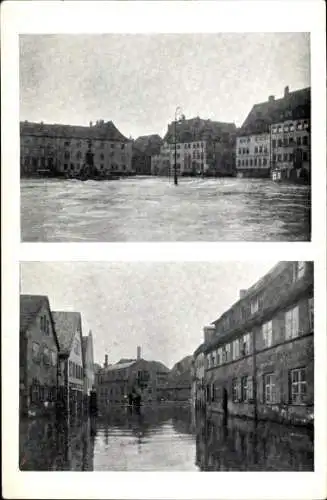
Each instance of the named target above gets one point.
<point>160,306</point>
<point>137,81</point>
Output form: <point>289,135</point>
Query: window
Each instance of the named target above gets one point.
<point>245,388</point>
<point>227,353</point>
<point>290,157</point>
<point>246,163</point>
<point>260,149</point>
<point>298,270</point>
<point>123,146</point>
<point>298,141</point>
<point>292,323</point>
<point>239,163</point>
<point>67,155</point>
<point>256,149</point>
<point>305,156</point>
<point>264,161</point>
<point>70,368</point>
<point>219,356</point>
<point>279,143</point>
<point>251,161</point>
<point>246,344</point>
<point>285,141</point>
<point>259,162</point>
<point>236,349</point>
<point>46,356</point>
<point>311,313</point>
<point>101,156</point>
<point>36,352</point>
<point>267,334</point>
<point>72,166</point>
<point>274,143</point>
<point>112,146</point>
<point>239,151</point>
<point>235,390</point>
<point>78,155</point>
<point>269,388</point>
<point>279,157</point>
<point>65,166</point>
<point>255,162</point>
<point>66,143</point>
<point>254,305</point>
<point>79,144</point>
<point>298,385</point>
<point>53,358</point>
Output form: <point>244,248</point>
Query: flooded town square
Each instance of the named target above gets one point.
<point>154,209</point>
<point>161,438</point>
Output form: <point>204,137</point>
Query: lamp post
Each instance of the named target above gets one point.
<point>177,112</point>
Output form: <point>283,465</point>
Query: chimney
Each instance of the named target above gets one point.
<point>286,91</point>
<point>138,352</point>
<point>208,332</point>
<point>242,293</point>
<point>106,361</point>
<point>271,98</point>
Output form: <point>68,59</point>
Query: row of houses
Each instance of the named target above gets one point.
<point>257,359</point>
<point>56,360</point>
<point>274,141</point>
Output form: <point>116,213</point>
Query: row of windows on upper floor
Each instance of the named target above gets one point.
<point>257,149</point>
<point>75,370</point>
<point>185,145</point>
<point>73,142</point>
<point>289,157</point>
<point>290,141</point>
<point>243,346</point>
<point>248,308</point>
<point>78,166</point>
<point>253,162</point>
<point>290,127</point>
<point>242,388</point>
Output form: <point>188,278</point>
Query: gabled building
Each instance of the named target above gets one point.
<point>276,137</point>
<point>259,354</point>
<point>63,150</point>
<point>203,147</point>
<point>38,354</point>
<point>88,363</point>
<point>68,327</point>
<point>114,383</point>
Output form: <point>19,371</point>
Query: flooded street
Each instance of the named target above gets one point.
<point>163,439</point>
<point>153,209</point>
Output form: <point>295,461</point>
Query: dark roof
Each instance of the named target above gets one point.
<point>100,131</point>
<point>29,307</point>
<point>197,129</point>
<point>66,324</point>
<point>148,144</point>
<point>293,106</point>
<point>125,360</point>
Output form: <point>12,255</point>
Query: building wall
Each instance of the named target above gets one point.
<point>38,364</point>
<point>65,154</point>
<point>76,376</point>
<point>89,376</point>
<point>113,386</point>
<point>253,155</point>
<point>279,339</point>
<point>291,147</point>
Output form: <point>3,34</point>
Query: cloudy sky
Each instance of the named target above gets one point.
<point>160,306</point>
<point>138,80</point>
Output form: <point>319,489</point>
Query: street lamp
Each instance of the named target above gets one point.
<point>178,112</point>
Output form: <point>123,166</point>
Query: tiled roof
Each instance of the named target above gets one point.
<point>104,131</point>
<point>294,105</point>
<point>66,324</point>
<point>197,129</point>
<point>29,307</point>
<point>119,366</point>
<point>149,144</point>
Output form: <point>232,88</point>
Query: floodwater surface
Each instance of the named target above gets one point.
<point>154,209</point>
<point>163,439</point>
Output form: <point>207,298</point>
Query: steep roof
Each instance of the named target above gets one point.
<point>119,366</point>
<point>100,131</point>
<point>149,144</point>
<point>66,323</point>
<point>197,129</point>
<point>294,105</point>
<point>29,307</point>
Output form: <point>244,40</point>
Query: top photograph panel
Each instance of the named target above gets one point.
<point>161,137</point>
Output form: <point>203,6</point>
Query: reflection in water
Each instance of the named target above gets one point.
<point>163,438</point>
<point>153,209</point>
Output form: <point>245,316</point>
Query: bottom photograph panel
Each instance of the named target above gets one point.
<point>160,366</point>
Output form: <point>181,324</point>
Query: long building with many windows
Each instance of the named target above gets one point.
<point>61,150</point>
<point>274,140</point>
<point>259,354</point>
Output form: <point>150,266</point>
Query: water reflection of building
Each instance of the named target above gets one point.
<point>38,353</point>
<point>115,382</point>
<point>259,355</point>
<point>241,445</point>
<point>48,445</point>
<point>88,363</point>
